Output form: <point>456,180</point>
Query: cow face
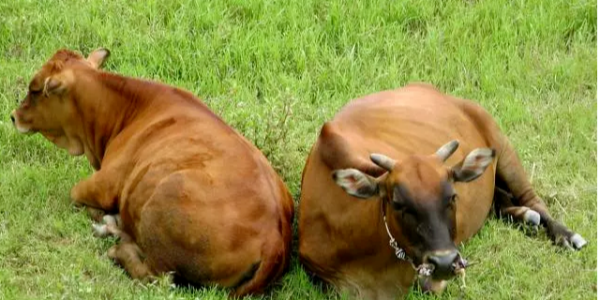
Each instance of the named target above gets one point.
<point>48,108</point>
<point>421,199</point>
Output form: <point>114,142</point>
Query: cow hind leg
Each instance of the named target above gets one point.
<point>505,208</point>
<point>128,255</point>
<point>512,176</point>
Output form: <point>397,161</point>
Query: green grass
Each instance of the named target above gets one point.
<point>532,64</point>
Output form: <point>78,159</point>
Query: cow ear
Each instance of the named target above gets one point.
<point>98,57</point>
<point>54,86</point>
<point>473,165</point>
<point>59,83</point>
<point>356,183</point>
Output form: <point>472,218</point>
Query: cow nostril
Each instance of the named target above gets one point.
<point>443,260</point>
<point>12,118</point>
<point>434,260</point>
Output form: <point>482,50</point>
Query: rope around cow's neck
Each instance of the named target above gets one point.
<point>399,252</point>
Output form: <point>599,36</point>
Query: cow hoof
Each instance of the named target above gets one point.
<point>532,217</point>
<point>100,230</point>
<point>577,241</point>
<point>109,226</point>
<point>109,220</point>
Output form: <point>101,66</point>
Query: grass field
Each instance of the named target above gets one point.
<point>276,70</point>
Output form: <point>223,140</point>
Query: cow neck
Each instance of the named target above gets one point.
<point>121,100</point>
<point>399,252</point>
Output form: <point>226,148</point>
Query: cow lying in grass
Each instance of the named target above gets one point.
<point>195,198</point>
<point>397,180</point>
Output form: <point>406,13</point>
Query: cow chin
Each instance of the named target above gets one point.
<point>76,150</point>
<point>74,147</point>
<point>61,140</point>
<point>24,130</point>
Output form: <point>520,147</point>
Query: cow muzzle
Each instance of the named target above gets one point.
<point>18,124</point>
<point>444,264</point>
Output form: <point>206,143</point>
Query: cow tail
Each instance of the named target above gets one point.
<point>274,261</point>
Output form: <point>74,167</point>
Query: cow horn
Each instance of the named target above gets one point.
<point>445,151</point>
<point>383,161</point>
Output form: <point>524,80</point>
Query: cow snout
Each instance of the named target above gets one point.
<point>13,116</point>
<point>17,122</point>
<point>443,262</point>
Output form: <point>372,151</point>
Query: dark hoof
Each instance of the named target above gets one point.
<point>565,238</point>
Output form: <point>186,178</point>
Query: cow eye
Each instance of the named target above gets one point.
<point>409,216</point>
<point>408,212</point>
<point>453,199</point>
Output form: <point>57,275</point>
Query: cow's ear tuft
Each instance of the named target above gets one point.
<point>356,183</point>
<point>473,165</point>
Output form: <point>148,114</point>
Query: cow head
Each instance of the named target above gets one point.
<point>48,107</point>
<point>421,200</point>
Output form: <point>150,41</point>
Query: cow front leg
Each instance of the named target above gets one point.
<point>96,193</point>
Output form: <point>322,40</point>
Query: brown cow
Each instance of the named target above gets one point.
<point>381,222</point>
<point>195,197</point>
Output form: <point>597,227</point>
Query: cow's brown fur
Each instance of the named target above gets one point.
<point>343,240</point>
<point>194,196</point>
